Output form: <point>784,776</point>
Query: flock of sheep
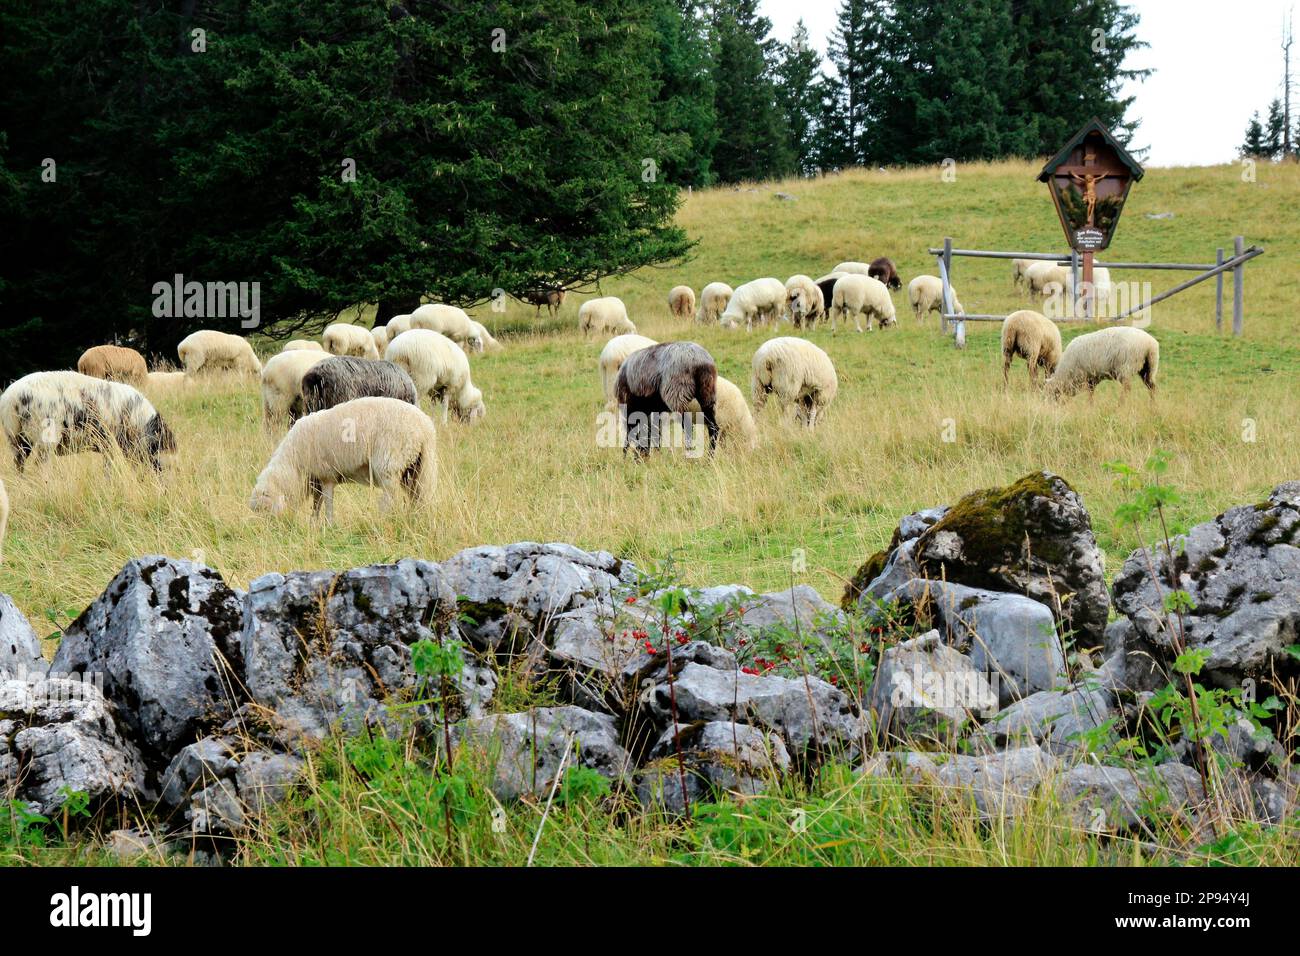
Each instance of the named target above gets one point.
<point>351,401</point>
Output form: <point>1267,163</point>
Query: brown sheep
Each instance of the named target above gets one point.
<point>883,269</point>
<point>114,363</point>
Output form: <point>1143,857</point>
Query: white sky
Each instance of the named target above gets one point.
<point>1216,62</point>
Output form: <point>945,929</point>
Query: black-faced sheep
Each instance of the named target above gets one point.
<point>368,441</point>
<point>1035,338</point>
<point>662,379</point>
<point>798,373</point>
<point>114,363</point>
<point>883,270</point>
<point>67,412</point>
<point>1120,354</point>
<point>343,378</point>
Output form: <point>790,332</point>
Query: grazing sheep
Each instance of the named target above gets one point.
<point>1033,337</point>
<point>803,299</point>
<point>798,373</point>
<point>342,378</point>
<point>681,301</point>
<point>114,363</point>
<point>883,270</point>
<point>208,350</point>
<point>397,325</point>
<point>761,299</point>
<point>447,319</point>
<point>612,357</point>
<point>735,423</point>
<point>165,381</point>
<point>607,314</point>
<point>282,385</point>
<point>380,334</point>
<point>481,339</point>
<point>860,296</point>
<point>302,345</point>
<point>1047,278</point>
<point>551,298</point>
<point>665,378</point>
<point>714,299</point>
<point>1100,286</point>
<point>925,293</point>
<point>1118,353</point>
<point>367,441</point>
<point>1020,271</point>
<point>827,286</point>
<point>4,518</point>
<point>440,370</point>
<point>67,412</point>
<point>342,338</point>
<point>853,268</point>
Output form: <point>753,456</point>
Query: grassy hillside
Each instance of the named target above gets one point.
<point>532,469</point>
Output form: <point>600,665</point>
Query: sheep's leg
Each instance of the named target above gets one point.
<point>857,321</point>
<point>21,448</point>
<point>327,498</point>
<point>317,496</point>
<point>1006,370</point>
<point>711,423</point>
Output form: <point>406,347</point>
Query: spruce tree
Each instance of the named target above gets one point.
<point>798,90</point>
<point>1255,143</point>
<point>1274,129</point>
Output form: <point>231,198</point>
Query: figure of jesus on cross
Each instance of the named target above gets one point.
<point>1087,176</point>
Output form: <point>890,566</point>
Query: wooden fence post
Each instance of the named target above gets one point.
<point>1218,294</point>
<point>1238,287</point>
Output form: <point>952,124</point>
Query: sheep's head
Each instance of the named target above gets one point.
<point>158,439</point>
<point>269,494</point>
<point>470,407</point>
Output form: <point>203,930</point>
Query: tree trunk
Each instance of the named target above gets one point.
<point>397,305</point>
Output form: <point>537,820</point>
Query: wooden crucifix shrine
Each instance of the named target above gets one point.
<point>1089,180</point>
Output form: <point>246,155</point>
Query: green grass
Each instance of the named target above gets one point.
<point>532,470</point>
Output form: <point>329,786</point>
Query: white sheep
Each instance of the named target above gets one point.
<point>302,345</point>
<point>1035,338</point>
<point>398,324</point>
<point>447,319</point>
<point>383,442</point>
<point>1118,353</point>
<point>1047,279</point>
<point>282,385</point>
<point>798,373</point>
<point>4,518</point>
<point>853,268</point>
<point>440,370</point>
<point>165,381</point>
<point>1100,287</point>
<point>612,356</point>
<point>380,334</point>
<point>859,296</point>
<point>342,338</point>
<point>803,301</point>
<point>606,314</point>
<point>714,299</point>
<point>681,301</point>
<point>925,293</point>
<point>481,339</point>
<point>67,412</point>
<point>761,299</point>
<point>736,426</point>
<point>1020,271</point>
<point>208,350</point>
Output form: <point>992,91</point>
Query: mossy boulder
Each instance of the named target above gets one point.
<point>1033,537</point>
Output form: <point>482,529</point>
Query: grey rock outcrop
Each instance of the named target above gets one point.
<point>1242,571</point>
<point>164,639</point>
<point>20,648</point>
<point>926,690</point>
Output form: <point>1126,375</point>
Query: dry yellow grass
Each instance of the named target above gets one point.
<point>533,470</point>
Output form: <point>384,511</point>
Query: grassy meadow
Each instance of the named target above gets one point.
<point>532,470</point>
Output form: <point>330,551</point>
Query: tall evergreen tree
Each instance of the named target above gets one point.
<point>493,147</point>
<point>1274,131</point>
<point>684,109</point>
<point>752,143</point>
<point>1073,68</point>
<point>854,49</point>
<point>1255,143</point>
<point>798,91</point>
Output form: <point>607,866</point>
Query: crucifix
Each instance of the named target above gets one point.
<point>1087,176</point>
